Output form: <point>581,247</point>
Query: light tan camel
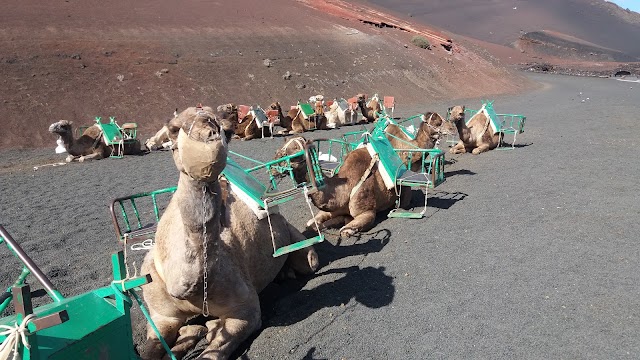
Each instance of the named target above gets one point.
<point>89,146</point>
<point>370,111</point>
<point>295,123</point>
<point>431,128</point>
<point>161,139</point>
<point>337,116</point>
<point>338,200</point>
<point>476,137</point>
<point>212,255</point>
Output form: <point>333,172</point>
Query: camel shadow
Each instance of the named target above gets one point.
<point>458,172</point>
<point>507,146</point>
<point>285,302</point>
<point>444,200</point>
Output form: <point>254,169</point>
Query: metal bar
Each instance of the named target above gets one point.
<point>26,260</point>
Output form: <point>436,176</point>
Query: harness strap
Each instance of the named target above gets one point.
<point>364,177</point>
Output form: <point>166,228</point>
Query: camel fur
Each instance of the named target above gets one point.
<point>475,137</point>
<point>335,199</point>
<point>207,230</point>
<point>161,139</point>
<point>336,117</point>
<point>89,146</point>
<point>248,129</point>
<point>295,123</point>
<point>370,111</point>
<point>431,128</point>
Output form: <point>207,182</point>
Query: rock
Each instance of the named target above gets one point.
<point>164,71</point>
<point>173,62</point>
<point>120,77</point>
<point>286,75</point>
<point>252,77</point>
<point>300,86</point>
<point>267,62</point>
<point>76,56</point>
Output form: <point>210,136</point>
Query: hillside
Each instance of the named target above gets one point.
<point>504,22</point>
<point>139,61</point>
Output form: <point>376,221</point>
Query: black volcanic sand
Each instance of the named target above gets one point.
<point>529,253</point>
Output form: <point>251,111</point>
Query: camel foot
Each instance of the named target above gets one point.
<point>81,159</point>
<point>69,158</point>
<point>346,232</point>
<point>213,326</point>
<point>188,337</point>
<point>311,225</point>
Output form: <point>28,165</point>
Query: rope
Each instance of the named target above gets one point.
<point>364,177</point>
<point>273,240</point>
<point>313,216</point>
<point>16,335</point>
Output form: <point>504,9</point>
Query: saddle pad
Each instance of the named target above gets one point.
<point>260,116</point>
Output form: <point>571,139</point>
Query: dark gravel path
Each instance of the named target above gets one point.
<point>530,253</point>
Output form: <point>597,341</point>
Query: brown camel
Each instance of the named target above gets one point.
<point>248,128</point>
<point>212,254</point>
<point>369,111</point>
<point>431,128</point>
<point>338,200</point>
<point>295,123</point>
<point>89,146</point>
<point>476,137</point>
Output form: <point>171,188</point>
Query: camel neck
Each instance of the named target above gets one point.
<point>463,130</point>
<point>199,204</point>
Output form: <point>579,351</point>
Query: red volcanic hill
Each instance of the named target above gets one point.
<point>609,31</point>
<point>139,60</point>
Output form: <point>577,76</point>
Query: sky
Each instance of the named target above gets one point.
<point>630,4</point>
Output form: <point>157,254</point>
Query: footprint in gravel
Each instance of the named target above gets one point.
<point>56,271</point>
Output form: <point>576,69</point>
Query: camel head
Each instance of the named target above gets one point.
<point>437,125</point>
<point>275,106</point>
<point>199,143</point>
<point>298,164</point>
<point>361,98</point>
<point>62,127</point>
<point>456,113</point>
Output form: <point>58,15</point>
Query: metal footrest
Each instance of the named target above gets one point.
<point>298,245</point>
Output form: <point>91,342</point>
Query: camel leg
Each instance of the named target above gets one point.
<point>360,222</point>
<point>480,149</point>
<point>70,158</point>
<point>188,337</point>
<point>94,156</point>
<point>322,217</point>
<point>303,261</point>
<point>459,148</point>
<point>405,197</point>
<point>226,334</point>
<point>168,328</point>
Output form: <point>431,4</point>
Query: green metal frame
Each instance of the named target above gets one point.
<point>136,226</point>
<point>265,197</point>
<point>92,325</point>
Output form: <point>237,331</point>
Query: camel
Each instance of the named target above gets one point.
<point>475,137</point>
<point>295,123</point>
<point>354,195</point>
<point>337,115</point>
<point>161,139</point>
<point>248,128</point>
<point>90,145</point>
<point>431,128</point>
<point>369,111</point>
<point>212,255</point>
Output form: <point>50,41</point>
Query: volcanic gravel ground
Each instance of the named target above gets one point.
<point>528,253</point>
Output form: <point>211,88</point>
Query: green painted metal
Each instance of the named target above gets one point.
<point>132,223</point>
<point>265,197</point>
<point>306,109</point>
<point>93,325</point>
<point>404,214</point>
<point>298,245</point>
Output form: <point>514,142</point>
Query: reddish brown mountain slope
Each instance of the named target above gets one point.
<point>140,60</point>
